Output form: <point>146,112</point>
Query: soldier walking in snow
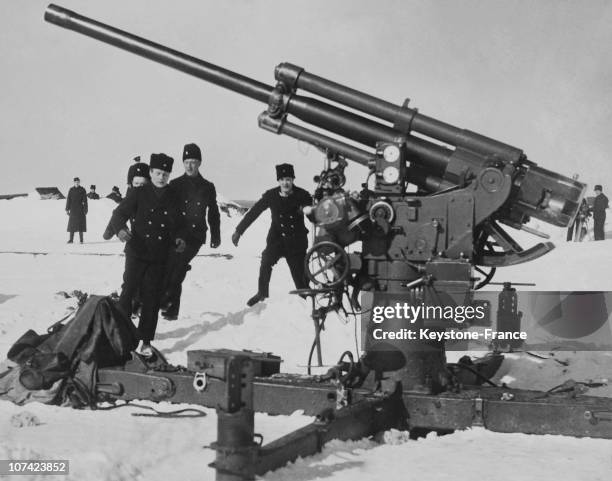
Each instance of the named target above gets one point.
<point>76,208</point>
<point>154,210</point>
<point>287,235</point>
<point>198,201</point>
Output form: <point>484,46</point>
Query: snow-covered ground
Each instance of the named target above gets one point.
<point>114,445</point>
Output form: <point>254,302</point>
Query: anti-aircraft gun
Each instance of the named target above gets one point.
<point>432,213</point>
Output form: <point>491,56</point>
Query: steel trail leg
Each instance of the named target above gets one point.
<point>362,419</point>
<point>236,451</point>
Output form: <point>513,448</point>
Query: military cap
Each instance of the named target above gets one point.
<point>284,170</point>
<point>76,179</point>
<point>142,170</point>
<point>115,188</point>
<point>92,187</point>
<point>598,187</point>
<point>137,158</point>
<point>192,151</point>
<point>162,162</point>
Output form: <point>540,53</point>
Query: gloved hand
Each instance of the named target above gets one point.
<point>180,245</point>
<point>215,242</point>
<point>124,235</point>
<point>235,238</point>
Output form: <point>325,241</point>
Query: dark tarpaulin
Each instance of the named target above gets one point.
<point>99,335</point>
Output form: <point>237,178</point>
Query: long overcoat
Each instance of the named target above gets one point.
<point>76,207</point>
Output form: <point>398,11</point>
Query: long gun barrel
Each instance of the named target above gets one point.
<point>158,53</point>
<point>537,192</point>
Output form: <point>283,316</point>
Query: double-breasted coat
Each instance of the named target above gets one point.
<point>287,233</point>
<point>287,236</point>
<point>198,204</point>
<point>155,222</point>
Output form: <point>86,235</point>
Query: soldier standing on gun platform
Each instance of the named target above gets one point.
<point>287,235</point>
<point>76,208</point>
<point>198,202</point>
<point>600,204</point>
<point>155,231</point>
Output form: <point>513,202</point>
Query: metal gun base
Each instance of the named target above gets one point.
<point>340,413</point>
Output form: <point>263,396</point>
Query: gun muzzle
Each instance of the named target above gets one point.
<point>541,194</point>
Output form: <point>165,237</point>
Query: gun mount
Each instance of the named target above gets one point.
<point>432,215</point>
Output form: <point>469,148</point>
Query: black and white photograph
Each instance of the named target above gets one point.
<point>305,240</point>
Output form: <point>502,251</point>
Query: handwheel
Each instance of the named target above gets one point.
<point>487,276</point>
<point>327,264</point>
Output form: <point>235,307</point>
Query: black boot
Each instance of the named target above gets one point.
<point>168,308</point>
<point>255,299</point>
<point>171,314</point>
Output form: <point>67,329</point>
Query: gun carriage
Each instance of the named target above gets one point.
<point>432,211</point>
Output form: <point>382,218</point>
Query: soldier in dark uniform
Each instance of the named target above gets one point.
<point>155,231</point>
<point>287,235</point>
<point>76,208</point>
<point>140,177</point>
<point>600,204</point>
<point>92,194</point>
<point>198,200</point>
<point>115,195</point>
<point>132,171</point>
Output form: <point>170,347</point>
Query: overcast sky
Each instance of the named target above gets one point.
<point>536,75</point>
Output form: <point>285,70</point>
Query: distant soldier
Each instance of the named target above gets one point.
<point>154,210</point>
<point>287,235</point>
<point>198,199</point>
<point>132,171</point>
<point>115,195</point>
<point>600,204</point>
<point>141,177</point>
<point>92,194</point>
<point>76,208</point>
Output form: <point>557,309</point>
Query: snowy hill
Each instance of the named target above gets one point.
<point>114,445</point>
